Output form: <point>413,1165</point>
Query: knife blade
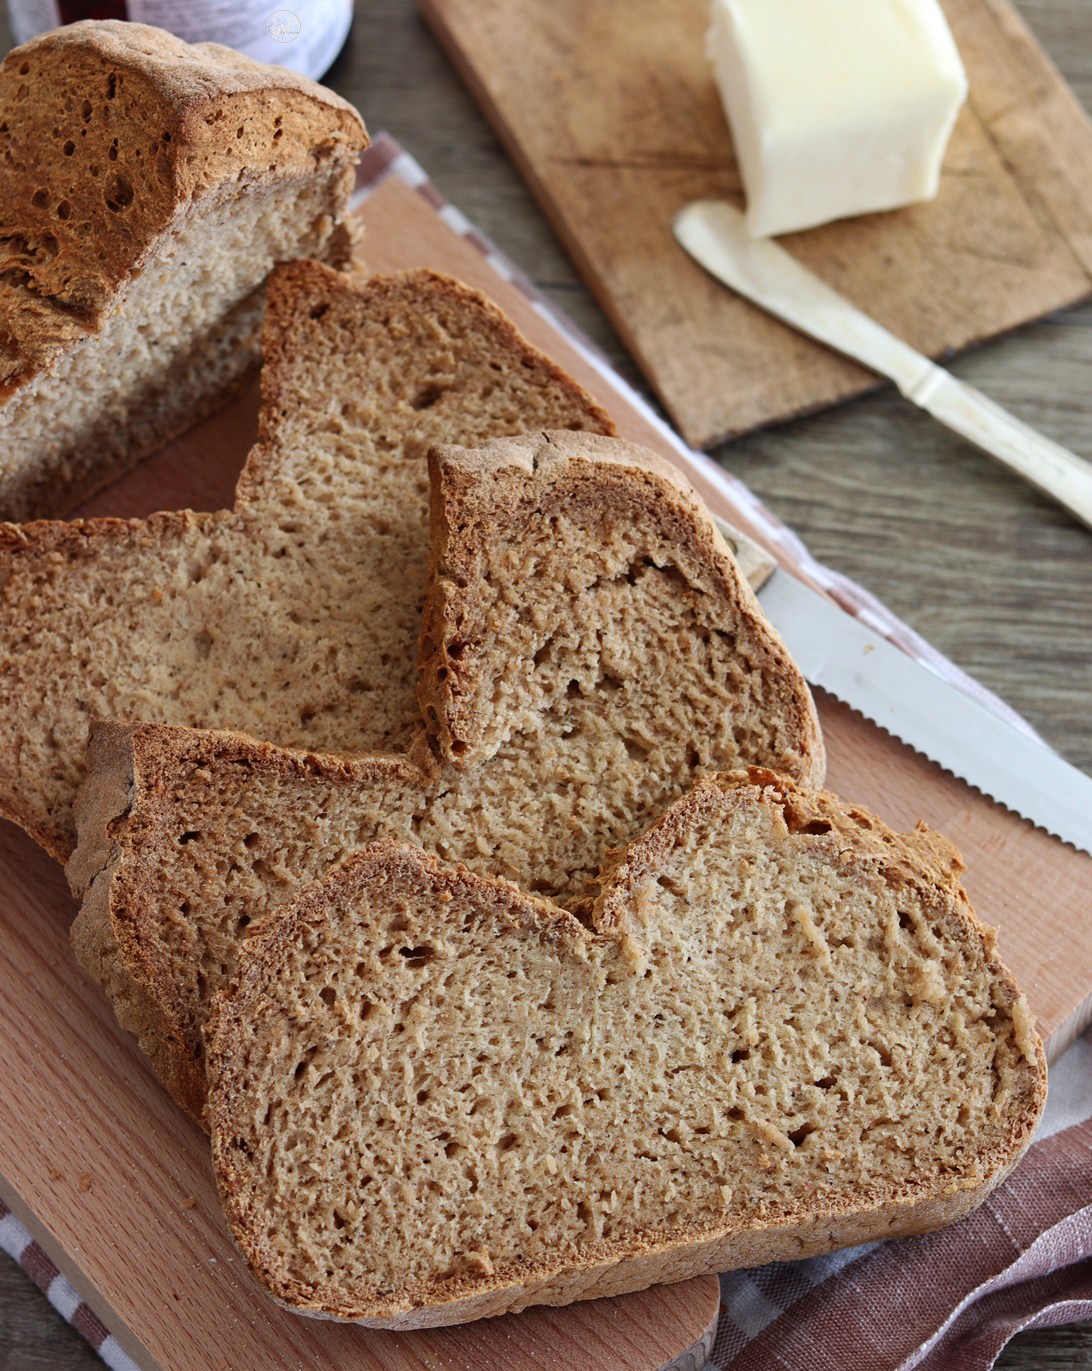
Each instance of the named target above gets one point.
<point>865,671</point>
<point>714,234</point>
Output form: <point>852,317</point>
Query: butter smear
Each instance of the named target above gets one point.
<point>837,107</point>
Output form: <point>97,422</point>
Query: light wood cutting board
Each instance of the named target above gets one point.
<point>115,1182</point>
<point>611,114</point>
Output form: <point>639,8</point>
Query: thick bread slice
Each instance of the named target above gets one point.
<point>295,615</point>
<point>653,663</point>
<point>148,188</point>
<point>566,568</point>
<point>435,1098</point>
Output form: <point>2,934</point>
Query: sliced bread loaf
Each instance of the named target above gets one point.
<point>148,188</point>
<point>574,575</point>
<point>435,1098</point>
<point>296,614</point>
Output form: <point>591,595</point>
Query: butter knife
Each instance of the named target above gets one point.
<point>713,233</point>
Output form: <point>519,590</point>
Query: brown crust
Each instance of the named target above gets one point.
<point>152,125</point>
<point>847,833</point>
<point>609,1267</point>
<point>473,491</point>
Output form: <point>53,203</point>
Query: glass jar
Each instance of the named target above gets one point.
<point>305,38</point>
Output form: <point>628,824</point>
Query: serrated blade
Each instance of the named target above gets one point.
<point>843,656</point>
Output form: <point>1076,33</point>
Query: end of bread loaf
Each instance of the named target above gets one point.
<point>295,615</point>
<point>149,188</point>
<point>435,1098</point>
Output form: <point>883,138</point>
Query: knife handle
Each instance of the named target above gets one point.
<point>1055,470</point>
<point>755,562</point>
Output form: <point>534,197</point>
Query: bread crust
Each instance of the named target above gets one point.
<point>838,833</point>
<point>181,105</point>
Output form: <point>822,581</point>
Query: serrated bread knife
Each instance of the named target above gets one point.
<point>861,668</point>
<point>713,233</point>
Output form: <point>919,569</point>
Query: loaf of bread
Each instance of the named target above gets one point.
<point>581,604</point>
<point>435,1098</point>
<point>147,190</point>
<point>295,615</point>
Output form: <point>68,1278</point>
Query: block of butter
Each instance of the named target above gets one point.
<point>837,107</point>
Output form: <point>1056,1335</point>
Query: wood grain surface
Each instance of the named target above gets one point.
<point>993,575</point>
<point>611,114</point>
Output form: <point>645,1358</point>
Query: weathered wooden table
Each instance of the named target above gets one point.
<point>990,572</point>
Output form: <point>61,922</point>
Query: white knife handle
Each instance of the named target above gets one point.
<point>1053,469</point>
<point>754,562</point>
<point>714,233</point>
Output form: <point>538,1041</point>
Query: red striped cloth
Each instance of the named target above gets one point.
<point>17,1242</point>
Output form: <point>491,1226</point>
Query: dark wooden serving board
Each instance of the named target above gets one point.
<point>115,1182</point>
<point>611,114</point>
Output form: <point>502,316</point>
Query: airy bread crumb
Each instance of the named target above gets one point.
<point>579,593</point>
<point>295,615</point>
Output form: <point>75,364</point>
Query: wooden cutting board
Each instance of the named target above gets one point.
<point>610,112</point>
<point>115,1182</point>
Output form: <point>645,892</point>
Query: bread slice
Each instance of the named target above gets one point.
<point>187,837</point>
<point>296,614</point>
<point>149,187</point>
<point>435,1098</point>
<point>572,576</point>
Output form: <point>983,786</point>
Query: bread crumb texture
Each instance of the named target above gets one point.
<point>147,189</point>
<point>294,616</point>
<point>435,1097</point>
<point>585,629</point>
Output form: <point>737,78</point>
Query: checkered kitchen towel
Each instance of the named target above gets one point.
<point>947,1301</point>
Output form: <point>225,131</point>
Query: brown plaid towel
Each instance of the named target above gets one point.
<point>948,1301</point>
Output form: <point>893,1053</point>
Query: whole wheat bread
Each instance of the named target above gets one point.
<point>147,189</point>
<point>296,614</point>
<point>435,1098</point>
<point>579,592</point>
<point>573,577</point>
